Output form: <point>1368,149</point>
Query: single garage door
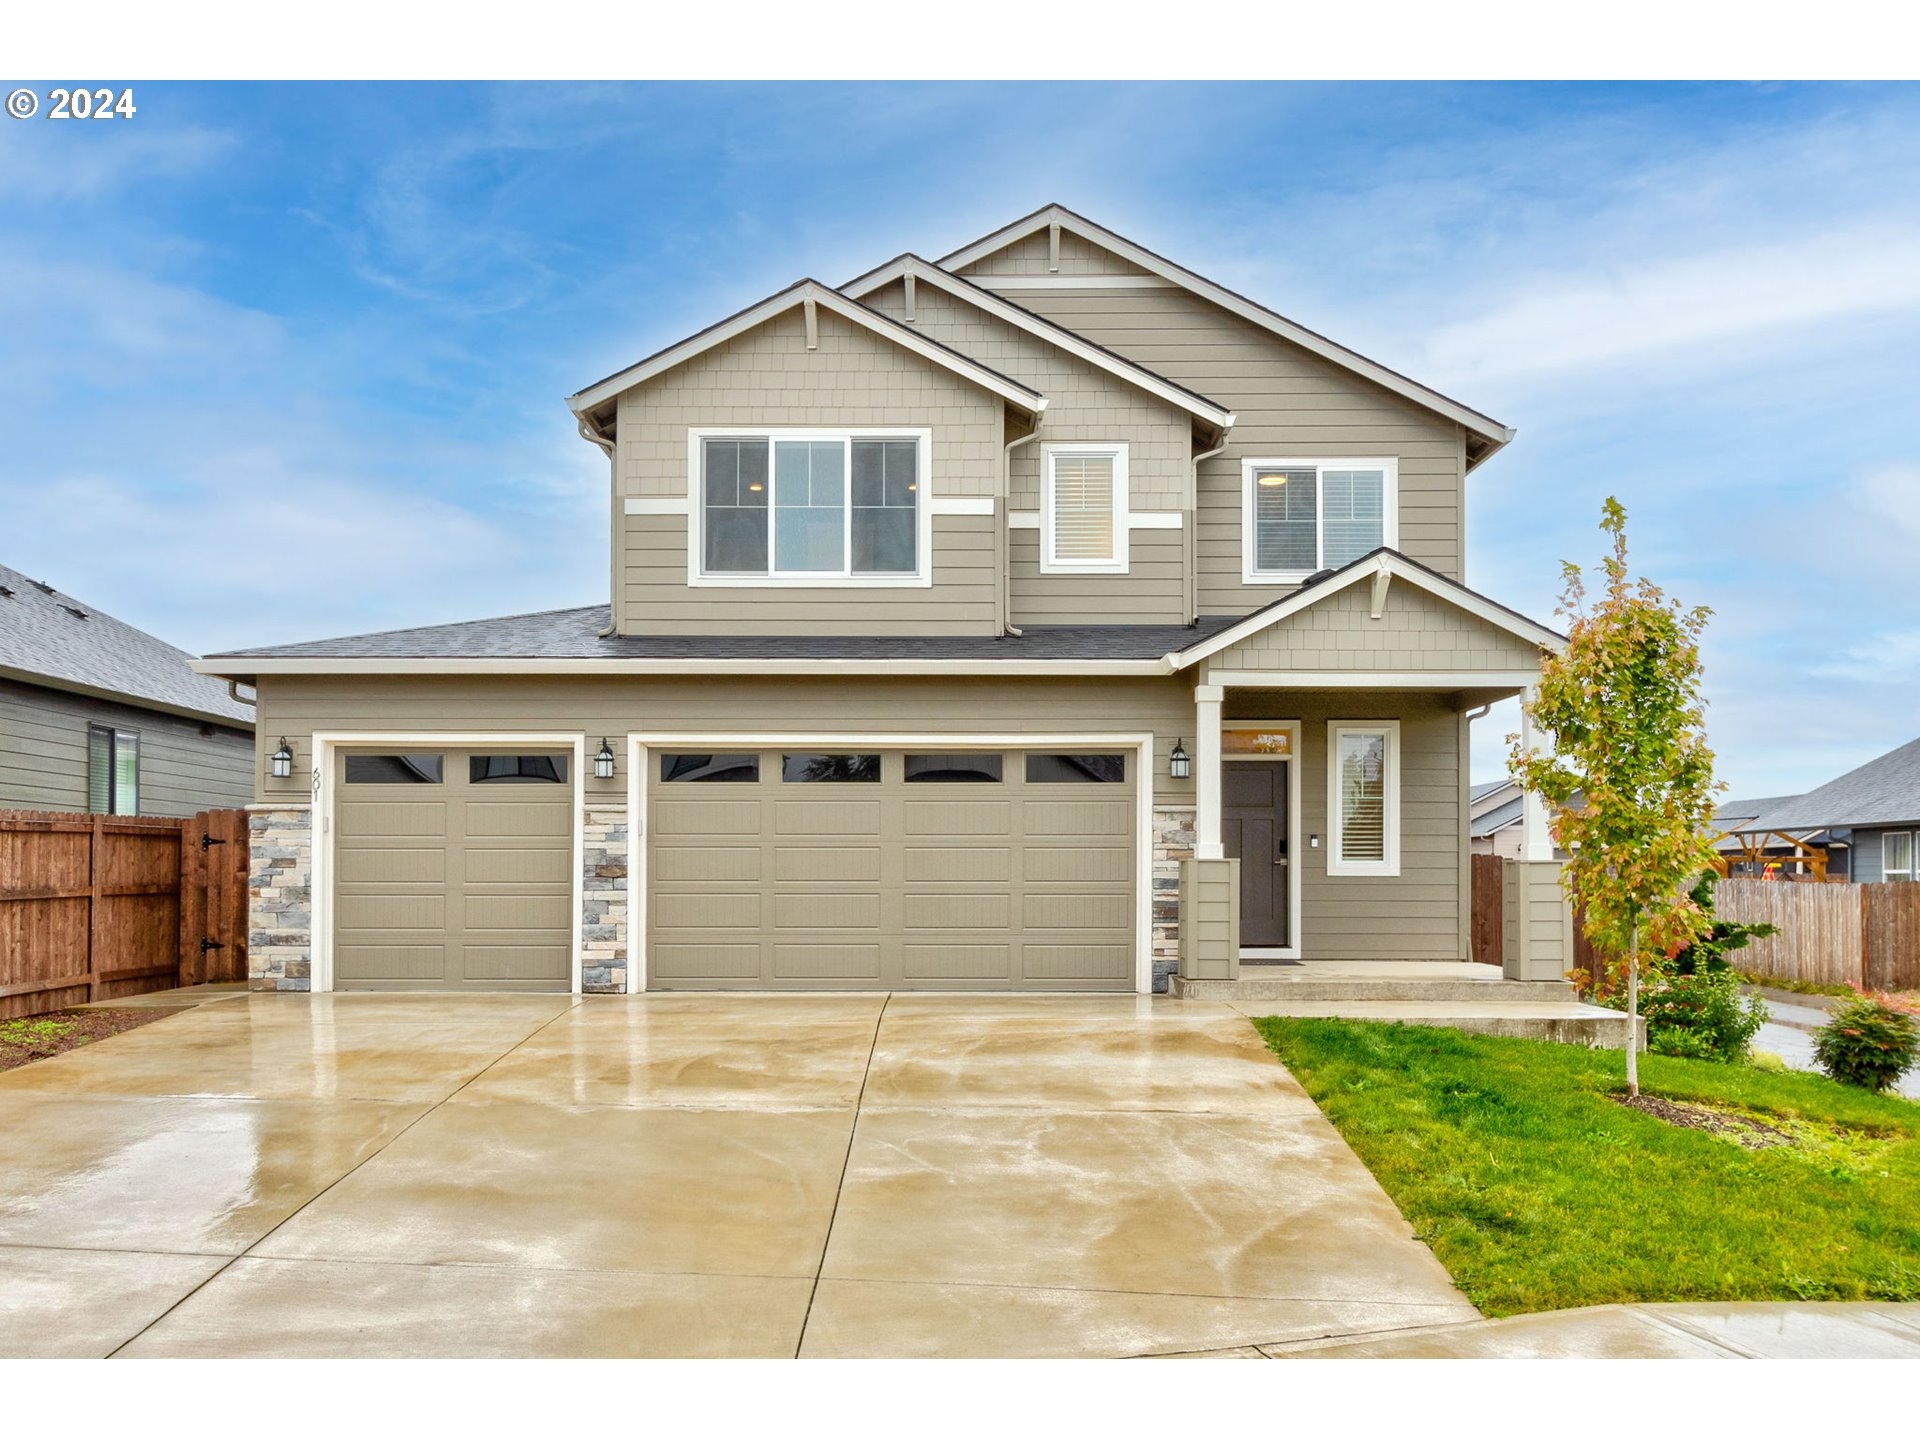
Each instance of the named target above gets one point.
<point>837,870</point>
<point>453,868</point>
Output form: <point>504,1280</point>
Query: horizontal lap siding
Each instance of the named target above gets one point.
<point>43,754</point>
<point>1289,404</point>
<point>1084,404</point>
<point>297,706</point>
<point>1421,913</point>
<point>768,378</point>
<point>657,600</point>
<point>1415,631</point>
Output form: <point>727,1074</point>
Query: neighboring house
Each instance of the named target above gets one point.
<point>1753,852</point>
<point>950,609</point>
<point>1879,803</point>
<point>98,716</point>
<point>1497,819</point>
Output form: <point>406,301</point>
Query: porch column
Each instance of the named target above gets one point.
<point>1206,779</point>
<point>1536,840</point>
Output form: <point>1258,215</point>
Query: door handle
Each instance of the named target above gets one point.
<point>1280,860</point>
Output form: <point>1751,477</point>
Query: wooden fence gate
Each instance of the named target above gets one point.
<point>1488,930</point>
<point>99,907</point>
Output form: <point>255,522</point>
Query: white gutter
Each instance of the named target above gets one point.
<point>590,432</point>
<point>1193,523</point>
<point>244,666</point>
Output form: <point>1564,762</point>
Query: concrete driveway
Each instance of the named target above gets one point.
<point>827,1175</point>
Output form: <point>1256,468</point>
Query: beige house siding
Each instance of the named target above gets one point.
<point>1421,913</point>
<point>43,754</point>
<point>1416,631</point>
<point>1084,404</point>
<point>1028,256</point>
<point>767,377</point>
<point>1289,403</point>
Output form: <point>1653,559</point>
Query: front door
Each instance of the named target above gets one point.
<point>1253,828</point>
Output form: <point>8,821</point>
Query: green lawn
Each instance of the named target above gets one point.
<point>1538,1191</point>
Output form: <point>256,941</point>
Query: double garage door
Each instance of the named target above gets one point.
<point>765,869</point>
<point>891,870</point>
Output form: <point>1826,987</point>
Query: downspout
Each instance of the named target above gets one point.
<point>1192,549</point>
<point>1006,543</point>
<point>233,694</point>
<point>591,433</point>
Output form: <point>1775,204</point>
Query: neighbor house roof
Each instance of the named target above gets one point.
<point>49,638</point>
<point>1489,430</point>
<point>1192,401</point>
<point>1500,817</point>
<point>804,292</point>
<point>1884,791</point>
<point>1486,788</point>
<point>572,640</point>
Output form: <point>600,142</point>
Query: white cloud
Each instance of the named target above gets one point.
<point>41,161</point>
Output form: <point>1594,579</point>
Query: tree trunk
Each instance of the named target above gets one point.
<point>1633,1016</point>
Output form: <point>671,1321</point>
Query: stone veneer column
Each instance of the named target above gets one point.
<point>603,902</point>
<point>280,897</point>
<point>1172,843</point>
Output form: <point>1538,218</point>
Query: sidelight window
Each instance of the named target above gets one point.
<point>1363,797</point>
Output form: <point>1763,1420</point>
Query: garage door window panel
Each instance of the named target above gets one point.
<point>959,769</point>
<point>1076,769</point>
<point>395,769</point>
<point>830,769</point>
<point>737,769</point>
<point>517,770</point>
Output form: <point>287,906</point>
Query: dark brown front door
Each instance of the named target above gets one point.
<point>1253,827</point>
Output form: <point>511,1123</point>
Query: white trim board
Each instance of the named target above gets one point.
<point>320,883</point>
<point>1074,282</point>
<point>639,841</point>
<point>981,297</point>
<point>1484,426</point>
<point>243,665</point>
<point>807,292</point>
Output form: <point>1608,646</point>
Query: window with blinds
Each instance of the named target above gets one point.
<point>1364,803</point>
<point>1085,518</point>
<point>113,771</point>
<point>1303,516</point>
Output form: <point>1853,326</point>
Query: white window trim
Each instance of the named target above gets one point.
<point>1251,574</point>
<point>1122,510</point>
<point>1905,872</point>
<point>697,436</point>
<point>1391,864</point>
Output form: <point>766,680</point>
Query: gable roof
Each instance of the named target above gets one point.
<point>1491,431</point>
<point>799,293</point>
<point>1501,817</point>
<point>1486,788</point>
<point>1191,401</point>
<point>1884,791</point>
<point>49,638</point>
<point>1382,561</point>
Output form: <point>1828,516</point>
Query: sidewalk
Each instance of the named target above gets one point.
<point>1737,1331</point>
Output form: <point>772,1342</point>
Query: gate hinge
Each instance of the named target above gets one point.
<point>206,945</point>
<point>207,842</point>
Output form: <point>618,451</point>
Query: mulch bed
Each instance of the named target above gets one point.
<point>39,1036</point>
<point>1741,1129</point>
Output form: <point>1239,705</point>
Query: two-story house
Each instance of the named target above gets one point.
<point>951,608</point>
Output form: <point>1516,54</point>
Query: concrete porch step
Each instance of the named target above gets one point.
<point>1303,985</point>
<point>1567,1022</point>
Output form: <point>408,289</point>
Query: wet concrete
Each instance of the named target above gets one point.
<point>689,1175</point>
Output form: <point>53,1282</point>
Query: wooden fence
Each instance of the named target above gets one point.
<point>1488,927</point>
<point>1834,934</point>
<point>98,907</point>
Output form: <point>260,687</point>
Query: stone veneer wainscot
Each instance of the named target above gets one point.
<point>603,905</point>
<point>280,897</point>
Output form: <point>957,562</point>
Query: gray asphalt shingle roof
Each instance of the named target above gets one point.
<point>575,634</point>
<point>1499,817</point>
<point>51,637</point>
<point>1884,791</point>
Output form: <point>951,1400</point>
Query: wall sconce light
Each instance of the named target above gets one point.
<point>281,760</point>
<point>603,762</point>
<point>1313,842</point>
<point>1179,763</point>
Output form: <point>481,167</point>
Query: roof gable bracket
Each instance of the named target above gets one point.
<point>908,278</point>
<point>1382,578</point>
<point>812,310</point>
<point>1053,248</point>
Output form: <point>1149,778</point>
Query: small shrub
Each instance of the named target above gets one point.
<point>1767,1061</point>
<point>1701,1016</point>
<point>1869,1042</point>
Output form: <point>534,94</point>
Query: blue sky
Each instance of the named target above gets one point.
<point>281,361</point>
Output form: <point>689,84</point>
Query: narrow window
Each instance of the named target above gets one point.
<point>1896,855</point>
<point>736,507</point>
<point>113,771</point>
<point>809,503</point>
<point>953,769</point>
<point>395,769</point>
<point>1076,769</point>
<point>1084,505</point>
<point>1303,516</point>
<point>830,769</point>
<point>517,770</point>
<point>886,485</point>
<point>1363,798</point>
<point>711,769</point>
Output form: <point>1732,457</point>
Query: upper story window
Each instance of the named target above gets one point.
<point>811,507</point>
<point>1302,516</point>
<point>113,771</point>
<point>1083,509</point>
